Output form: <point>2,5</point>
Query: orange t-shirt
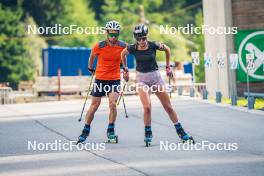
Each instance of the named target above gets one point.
<point>109,59</point>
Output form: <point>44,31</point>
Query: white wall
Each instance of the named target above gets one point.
<point>219,13</point>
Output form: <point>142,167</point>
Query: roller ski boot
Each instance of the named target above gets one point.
<point>183,135</point>
<point>148,136</point>
<point>112,138</point>
<point>84,135</point>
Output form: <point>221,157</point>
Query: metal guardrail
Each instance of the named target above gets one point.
<point>253,94</point>
<point>191,88</point>
<point>5,97</point>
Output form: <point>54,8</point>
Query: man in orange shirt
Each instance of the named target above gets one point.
<point>107,78</point>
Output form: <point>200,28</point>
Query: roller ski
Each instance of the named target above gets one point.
<point>84,135</point>
<point>112,138</point>
<point>185,138</point>
<point>148,136</point>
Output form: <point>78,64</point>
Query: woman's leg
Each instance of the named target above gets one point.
<point>166,103</point>
<point>145,100</point>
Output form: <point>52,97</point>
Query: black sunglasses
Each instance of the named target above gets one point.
<point>113,35</point>
<point>141,38</point>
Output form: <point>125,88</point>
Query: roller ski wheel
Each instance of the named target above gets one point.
<point>147,141</point>
<point>185,138</point>
<point>148,138</point>
<point>190,140</point>
<point>79,142</point>
<point>113,139</point>
<point>83,136</point>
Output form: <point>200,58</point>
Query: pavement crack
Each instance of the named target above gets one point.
<point>95,154</point>
<point>69,139</point>
<point>168,126</point>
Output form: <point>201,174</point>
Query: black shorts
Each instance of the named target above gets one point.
<point>103,87</point>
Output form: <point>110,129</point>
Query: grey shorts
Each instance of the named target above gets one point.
<point>150,79</point>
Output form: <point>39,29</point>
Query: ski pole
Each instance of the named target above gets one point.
<point>86,97</point>
<point>119,98</point>
<point>170,85</point>
<point>124,106</point>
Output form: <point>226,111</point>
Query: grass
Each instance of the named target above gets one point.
<point>259,102</point>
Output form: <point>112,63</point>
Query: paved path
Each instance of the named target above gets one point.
<point>51,122</point>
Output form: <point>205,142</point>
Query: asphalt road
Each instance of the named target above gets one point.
<point>56,122</point>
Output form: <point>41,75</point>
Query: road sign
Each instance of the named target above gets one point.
<point>250,62</point>
<point>250,42</point>
<point>195,58</point>
<point>220,60</point>
<point>208,60</point>
<point>233,60</point>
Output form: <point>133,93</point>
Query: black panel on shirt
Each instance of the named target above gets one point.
<point>145,59</point>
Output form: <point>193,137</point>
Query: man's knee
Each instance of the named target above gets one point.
<point>95,105</point>
<point>112,106</point>
<point>147,109</point>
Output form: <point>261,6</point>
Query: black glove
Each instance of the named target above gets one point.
<point>169,72</point>
<point>91,70</point>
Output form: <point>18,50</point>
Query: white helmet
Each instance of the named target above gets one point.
<point>140,30</point>
<point>112,25</point>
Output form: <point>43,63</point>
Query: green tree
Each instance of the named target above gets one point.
<point>46,12</point>
<point>81,15</point>
<point>199,41</point>
<point>64,12</point>
<point>123,12</point>
<point>96,6</point>
<point>15,64</point>
<point>36,44</point>
<point>156,13</point>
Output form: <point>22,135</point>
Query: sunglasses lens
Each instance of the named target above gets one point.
<point>113,35</point>
<point>139,39</point>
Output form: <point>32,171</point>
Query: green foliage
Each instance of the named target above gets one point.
<point>96,6</point>
<point>177,44</point>
<point>78,14</point>
<point>64,12</point>
<point>46,12</point>
<point>36,44</point>
<point>199,40</point>
<point>15,64</point>
<point>20,53</point>
<point>128,14</point>
<point>123,12</point>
